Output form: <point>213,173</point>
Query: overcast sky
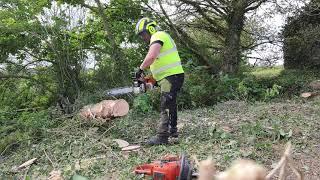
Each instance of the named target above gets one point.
<point>275,23</point>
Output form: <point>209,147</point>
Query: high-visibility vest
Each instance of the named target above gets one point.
<point>168,61</point>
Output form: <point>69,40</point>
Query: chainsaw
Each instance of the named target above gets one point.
<point>168,168</point>
<point>139,85</point>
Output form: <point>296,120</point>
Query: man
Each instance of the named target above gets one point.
<point>165,65</point>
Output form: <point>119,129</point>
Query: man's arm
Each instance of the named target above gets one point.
<point>153,53</point>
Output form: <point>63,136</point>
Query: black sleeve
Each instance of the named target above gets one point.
<point>157,41</point>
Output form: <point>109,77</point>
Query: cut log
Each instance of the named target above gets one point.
<point>309,94</point>
<point>115,108</point>
<point>121,108</point>
<point>106,109</point>
<point>96,110</point>
<point>85,112</point>
<point>315,85</point>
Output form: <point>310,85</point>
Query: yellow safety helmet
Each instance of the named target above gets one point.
<point>146,24</point>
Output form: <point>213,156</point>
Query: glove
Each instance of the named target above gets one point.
<point>139,73</point>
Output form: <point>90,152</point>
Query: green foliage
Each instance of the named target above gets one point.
<point>272,92</point>
<point>294,82</point>
<point>301,39</point>
<point>19,127</point>
<point>227,131</point>
<point>142,104</point>
<point>202,89</point>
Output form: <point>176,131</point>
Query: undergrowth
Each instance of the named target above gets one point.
<point>228,131</point>
<point>254,120</point>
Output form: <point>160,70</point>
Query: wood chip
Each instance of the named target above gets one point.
<point>27,163</point>
<point>306,94</point>
<point>310,94</point>
<point>121,143</point>
<point>55,175</point>
<point>131,148</point>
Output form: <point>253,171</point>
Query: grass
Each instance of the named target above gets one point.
<point>226,132</point>
<point>262,72</point>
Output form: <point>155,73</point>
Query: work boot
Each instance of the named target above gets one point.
<point>157,140</point>
<point>173,132</point>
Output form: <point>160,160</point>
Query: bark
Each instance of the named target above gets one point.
<point>232,51</point>
<point>185,39</point>
<point>224,19</point>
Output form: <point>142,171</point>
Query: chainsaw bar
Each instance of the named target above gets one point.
<point>119,91</point>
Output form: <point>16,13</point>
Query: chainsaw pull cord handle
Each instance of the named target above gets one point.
<point>144,169</point>
<point>142,80</point>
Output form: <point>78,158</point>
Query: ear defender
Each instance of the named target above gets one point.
<point>146,24</point>
<point>152,29</point>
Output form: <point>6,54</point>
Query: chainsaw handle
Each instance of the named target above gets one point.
<point>144,169</point>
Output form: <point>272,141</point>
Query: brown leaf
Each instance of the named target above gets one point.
<point>55,175</point>
<point>121,143</point>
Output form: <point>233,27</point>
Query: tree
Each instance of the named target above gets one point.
<point>220,18</point>
<point>49,44</point>
<point>301,39</point>
<point>117,18</point>
<point>40,45</point>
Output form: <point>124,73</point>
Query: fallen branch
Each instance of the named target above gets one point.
<point>281,162</point>
<point>27,163</point>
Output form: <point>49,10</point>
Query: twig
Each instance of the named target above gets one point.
<point>2,153</point>
<point>26,164</point>
<point>48,158</point>
<point>282,174</point>
<point>282,163</point>
<point>274,170</point>
<point>294,169</point>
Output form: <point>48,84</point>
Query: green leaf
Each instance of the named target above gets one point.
<point>78,177</point>
<point>282,133</point>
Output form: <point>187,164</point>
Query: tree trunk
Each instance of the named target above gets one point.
<point>117,55</point>
<point>232,51</point>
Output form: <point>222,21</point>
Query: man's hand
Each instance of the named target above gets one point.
<point>139,74</point>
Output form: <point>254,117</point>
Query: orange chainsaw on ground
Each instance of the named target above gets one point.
<point>168,168</point>
<point>139,85</point>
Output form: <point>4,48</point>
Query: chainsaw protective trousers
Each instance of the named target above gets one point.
<point>170,86</point>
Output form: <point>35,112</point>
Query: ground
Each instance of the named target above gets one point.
<point>227,131</point>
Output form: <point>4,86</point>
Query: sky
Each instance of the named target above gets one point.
<point>275,23</point>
